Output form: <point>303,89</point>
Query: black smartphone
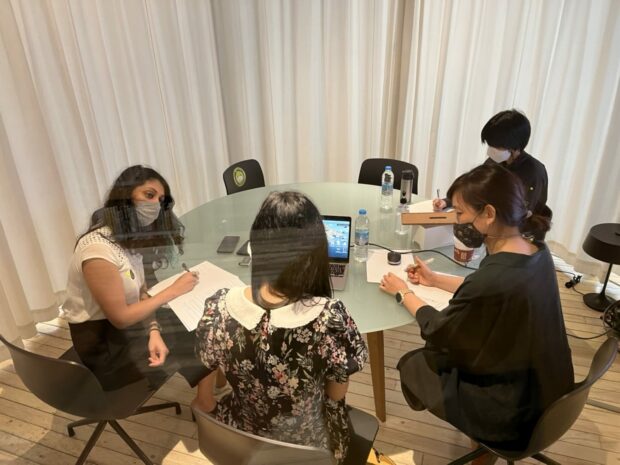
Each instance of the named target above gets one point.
<point>243,250</point>
<point>228,244</point>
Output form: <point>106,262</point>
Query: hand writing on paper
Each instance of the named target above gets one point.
<point>420,273</point>
<point>439,204</point>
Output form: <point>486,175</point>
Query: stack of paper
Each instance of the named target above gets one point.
<point>190,307</point>
<point>377,266</point>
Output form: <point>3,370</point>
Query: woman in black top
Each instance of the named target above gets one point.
<point>506,135</point>
<point>498,355</point>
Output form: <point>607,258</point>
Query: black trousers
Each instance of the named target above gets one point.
<point>119,357</point>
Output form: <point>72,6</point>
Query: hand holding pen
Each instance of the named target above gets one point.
<point>439,203</point>
<point>186,282</point>
<point>420,273</point>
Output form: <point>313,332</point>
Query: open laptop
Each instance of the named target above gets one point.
<point>338,230</point>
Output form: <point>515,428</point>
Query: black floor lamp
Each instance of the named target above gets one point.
<point>602,243</point>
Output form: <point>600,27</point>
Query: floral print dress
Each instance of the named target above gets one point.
<point>278,362</point>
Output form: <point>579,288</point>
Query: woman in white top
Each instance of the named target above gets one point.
<point>119,332</point>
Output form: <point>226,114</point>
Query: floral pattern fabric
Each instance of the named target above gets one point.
<point>278,374</point>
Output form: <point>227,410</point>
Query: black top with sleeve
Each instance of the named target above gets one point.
<point>533,175</point>
<point>500,347</point>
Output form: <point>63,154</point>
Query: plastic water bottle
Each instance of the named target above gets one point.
<point>387,188</point>
<point>401,228</point>
<point>360,251</point>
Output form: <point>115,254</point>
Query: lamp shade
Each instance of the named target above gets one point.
<point>603,242</point>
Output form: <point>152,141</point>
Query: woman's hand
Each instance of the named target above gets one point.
<point>184,283</point>
<point>391,284</point>
<point>420,273</point>
<point>439,204</point>
<point>158,351</point>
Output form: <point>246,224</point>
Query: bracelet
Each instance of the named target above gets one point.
<point>155,326</point>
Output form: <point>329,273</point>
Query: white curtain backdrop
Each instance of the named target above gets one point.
<point>308,88</point>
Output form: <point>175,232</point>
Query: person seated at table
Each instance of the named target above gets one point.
<point>286,346</point>
<point>120,333</point>
<point>498,354</point>
<point>507,134</point>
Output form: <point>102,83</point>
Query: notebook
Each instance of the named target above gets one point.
<point>338,230</point>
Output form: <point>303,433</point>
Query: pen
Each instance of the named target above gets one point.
<point>413,267</point>
<point>185,267</point>
<point>438,194</point>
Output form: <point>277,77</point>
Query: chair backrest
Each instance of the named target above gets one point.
<point>243,175</point>
<point>70,386</point>
<point>560,416</point>
<point>372,168</point>
<point>224,445</point>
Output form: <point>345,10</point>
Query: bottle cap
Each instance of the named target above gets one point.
<point>362,211</point>
<point>388,167</point>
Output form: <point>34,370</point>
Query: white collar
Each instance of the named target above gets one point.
<point>294,315</point>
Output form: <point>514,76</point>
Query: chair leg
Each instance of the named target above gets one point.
<point>91,443</point>
<point>544,459</point>
<point>121,432</point>
<point>469,457</point>
<point>75,424</point>
<point>153,408</point>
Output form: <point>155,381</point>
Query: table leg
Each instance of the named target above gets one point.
<point>377,371</point>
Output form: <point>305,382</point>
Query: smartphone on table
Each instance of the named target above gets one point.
<point>228,244</point>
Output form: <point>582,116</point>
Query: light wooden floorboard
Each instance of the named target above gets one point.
<point>31,432</point>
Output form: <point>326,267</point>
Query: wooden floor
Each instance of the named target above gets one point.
<point>32,432</point>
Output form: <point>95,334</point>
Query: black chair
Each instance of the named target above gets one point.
<point>558,417</point>
<point>69,386</point>
<point>224,445</point>
<point>372,168</point>
<point>243,175</point>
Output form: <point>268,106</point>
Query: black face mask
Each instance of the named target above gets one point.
<point>468,235</point>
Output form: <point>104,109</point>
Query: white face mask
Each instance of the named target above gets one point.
<point>147,212</point>
<point>498,156</point>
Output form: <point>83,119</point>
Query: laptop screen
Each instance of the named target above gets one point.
<point>338,230</point>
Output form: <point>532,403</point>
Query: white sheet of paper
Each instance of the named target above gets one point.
<point>190,307</point>
<point>377,266</point>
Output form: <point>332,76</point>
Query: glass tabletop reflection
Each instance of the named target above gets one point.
<point>233,215</point>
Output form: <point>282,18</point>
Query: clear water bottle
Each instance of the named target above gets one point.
<point>360,250</point>
<point>401,228</point>
<point>387,188</point>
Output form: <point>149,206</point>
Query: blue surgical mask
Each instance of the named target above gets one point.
<point>147,212</point>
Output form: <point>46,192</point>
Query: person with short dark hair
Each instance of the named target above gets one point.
<point>286,346</point>
<point>119,332</point>
<point>507,134</point>
<point>497,356</point>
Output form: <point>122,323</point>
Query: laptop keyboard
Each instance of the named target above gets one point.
<point>336,269</point>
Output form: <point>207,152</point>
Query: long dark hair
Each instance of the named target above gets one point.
<point>119,214</point>
<point>289,249</point>
<point>492,184</point>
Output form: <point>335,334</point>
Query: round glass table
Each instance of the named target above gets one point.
<point>373,310</point>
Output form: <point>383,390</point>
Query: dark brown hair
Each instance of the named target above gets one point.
<point>119,214</point>
<point>289,249</point>
<point>492,184</point>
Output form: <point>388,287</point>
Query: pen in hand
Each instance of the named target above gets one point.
<point>414,266</point>
<point>438,194</point>
<point>185,267</point>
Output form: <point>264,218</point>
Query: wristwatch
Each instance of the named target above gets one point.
<point>400,295</point>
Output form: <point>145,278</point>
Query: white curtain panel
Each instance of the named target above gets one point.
<point>308,88</point>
